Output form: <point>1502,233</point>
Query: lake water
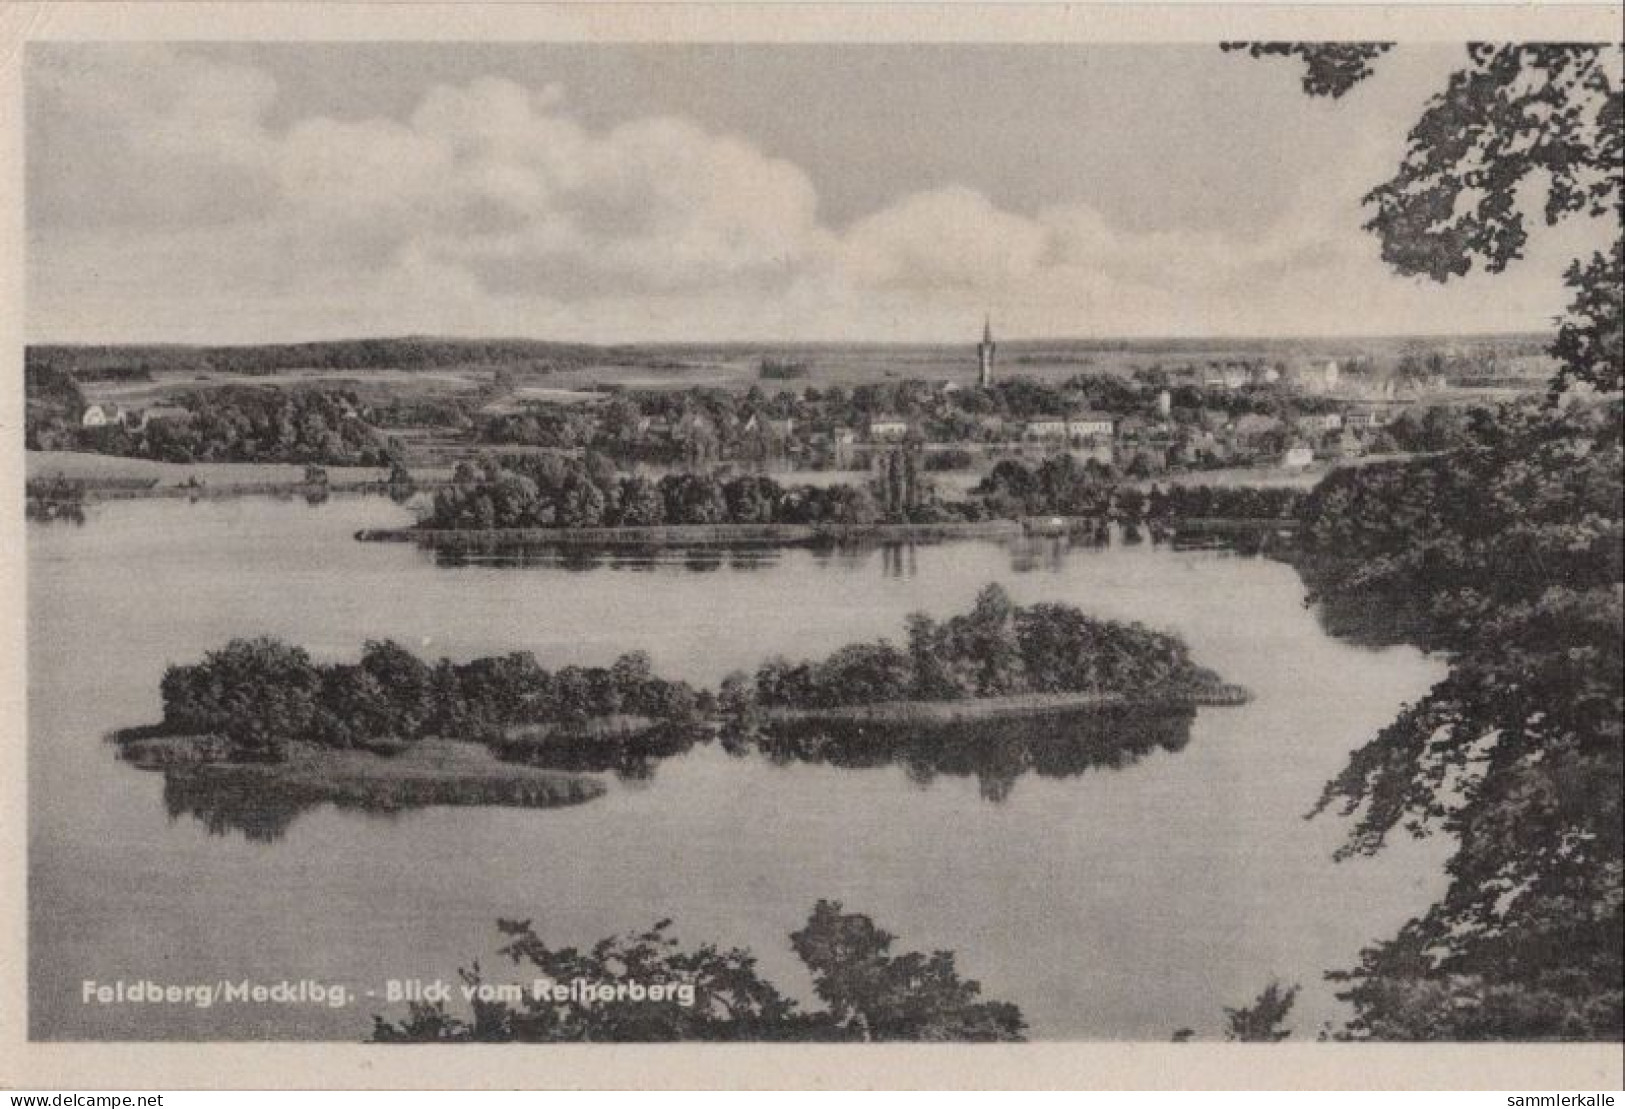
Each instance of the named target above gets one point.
<point>1119,903</point>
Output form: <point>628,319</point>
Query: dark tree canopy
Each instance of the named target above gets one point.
<point>1506,548</point>
<point>1517,116</point>
<point>1263,1020</point>
<point>1330,68</point>
<point>870,993</point>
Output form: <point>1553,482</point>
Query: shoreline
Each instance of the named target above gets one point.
<point>687,535</point>
<point>105,477</point>
<point>429,772</point>
<point>1226,695</point>
<point>790,535</point>
<point>454,772</point>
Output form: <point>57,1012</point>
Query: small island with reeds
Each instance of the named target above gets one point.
<point>393,731</point>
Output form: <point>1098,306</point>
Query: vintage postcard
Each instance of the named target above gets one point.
<point>793,540</point>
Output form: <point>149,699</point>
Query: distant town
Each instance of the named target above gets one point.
<point>1262,412</point>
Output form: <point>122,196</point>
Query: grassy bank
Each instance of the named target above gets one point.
<point>108,476</point>
<point>430,772</point>
<point>1026,704</point>
<point>687,535</point>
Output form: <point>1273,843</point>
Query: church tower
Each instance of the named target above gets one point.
<point>984,355</point>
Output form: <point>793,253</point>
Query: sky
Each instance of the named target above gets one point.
<point>612,193</point>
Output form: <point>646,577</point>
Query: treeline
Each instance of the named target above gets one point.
<point>53,405</point>
<point>1532,500</point>
<point>866,992</point>
<point>1507,553</point>
<point>997,649</point>
<point>346,354</point>
<point>1063,486</point>
<point>779,369</point>
<point>550,491</point>
<point>722,417</point>
<point>556,491</point>
<point>1057,486</point>
<point>1230,502</point>
<point>240,424</point>
<point>260,695</point>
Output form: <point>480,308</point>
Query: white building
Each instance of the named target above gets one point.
<point>888,427</point>
<point>1046,427</point>
<point>1321,422</point>
<point>1090,425</point>
<point>100,415</point>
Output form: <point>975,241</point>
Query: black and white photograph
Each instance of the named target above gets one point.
<point>849,540</point>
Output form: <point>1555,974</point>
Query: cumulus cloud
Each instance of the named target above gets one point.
<point>949,238</point>
<point>166,200</point>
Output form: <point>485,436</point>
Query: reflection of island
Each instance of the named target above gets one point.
<point>582,558</point>
<point>995,750</point>
<point>261,799</point>
<point>55,499</point>
<point>258,731</point>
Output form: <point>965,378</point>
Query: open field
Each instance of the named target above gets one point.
<point>737,365</point>
<point>374,384</point>
<point>91,468</point>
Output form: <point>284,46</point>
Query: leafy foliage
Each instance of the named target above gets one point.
<point>1509,549</point>
<point>1548,115</point>
<point>549,491</point>
<point>870,993</point>
<point>228,424</point>
<point>1261,1021</point>
<point>996,649</point>
<point>1330,68</point>
<point>262,694</point>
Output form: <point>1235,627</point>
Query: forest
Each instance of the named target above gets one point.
<point>1508,552</point>
<point>557,491</point>
<point>261,695</point>
<point>1063,486</point>
<point>551,491</point>
<point>997,649</point>
<point>90,362</point>
<point>722,418</point>
<point>1505,552</point>
<point>227,424</point>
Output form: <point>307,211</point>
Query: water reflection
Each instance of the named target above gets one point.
<point>630,758</point>
<point>584,558</point>
<point>897,559</point>
<point>259,803</point>
<point>225,805</point>
<point>45,511</point>
<point>117,888</point>
<point>996,752</point>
